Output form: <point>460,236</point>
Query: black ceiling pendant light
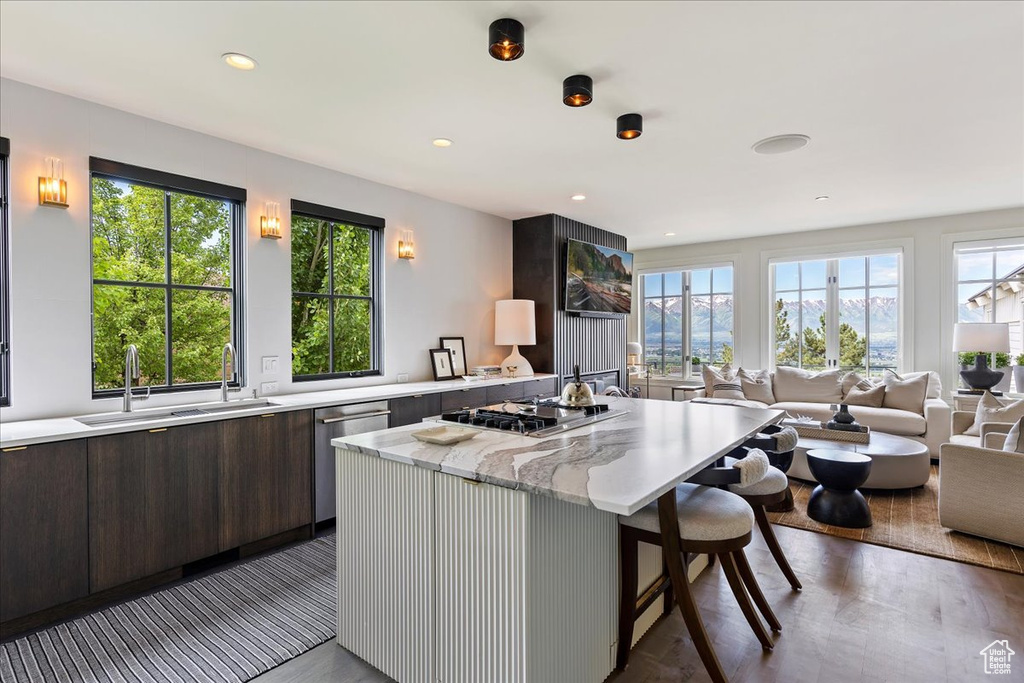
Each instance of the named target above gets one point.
<point>505,40</point>
<point>629,126</point>
<point>578,91</point>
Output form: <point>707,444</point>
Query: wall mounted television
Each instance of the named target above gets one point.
<point>598,280</point>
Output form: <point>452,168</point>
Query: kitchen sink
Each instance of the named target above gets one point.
<point>175,411</point>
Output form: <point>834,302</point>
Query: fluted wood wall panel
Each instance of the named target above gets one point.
<point>563,339</point>
<point>385,539</point>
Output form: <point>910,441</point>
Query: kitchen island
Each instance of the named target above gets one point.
<point>496,559</point>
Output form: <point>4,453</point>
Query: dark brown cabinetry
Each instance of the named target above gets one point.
<point>540,388</point>
<point>152,501</point>
<point>504,392</point>
<point>412,409</point>
<point>265,476</point>
<point>463,398</point>
<point>44,547</point>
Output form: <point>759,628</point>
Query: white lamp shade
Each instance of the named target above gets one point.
<point>515,323</point>
<point>982,337</point>
<point>634,349</point>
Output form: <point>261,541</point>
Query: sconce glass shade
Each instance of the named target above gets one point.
<point>406,247</point>
<point>505,39</point>
<point>634,350</point>
<point>270,222</point>
<point>629,126</point>
<point>53,190</point>
<point>578,91</point>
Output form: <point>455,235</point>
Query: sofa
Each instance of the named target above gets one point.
<point>910,406</point>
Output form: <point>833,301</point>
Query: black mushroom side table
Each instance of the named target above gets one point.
<point>836,500</point>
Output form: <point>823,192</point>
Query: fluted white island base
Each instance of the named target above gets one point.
<point>444,580</point>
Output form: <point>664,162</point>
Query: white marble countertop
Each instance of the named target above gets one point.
<point>618,465</point>
<point>28,432</point>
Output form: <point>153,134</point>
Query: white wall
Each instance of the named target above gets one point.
<point>463,257</point>
<point>927,245</point>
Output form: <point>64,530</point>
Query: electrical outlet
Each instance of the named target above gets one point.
<point>268,388</point>
<point>402,377</point>
<point>269,365</point>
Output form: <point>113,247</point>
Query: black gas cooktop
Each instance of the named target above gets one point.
<point>532,419</point>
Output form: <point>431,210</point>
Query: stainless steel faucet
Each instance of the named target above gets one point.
<point>229,350</point>
<point>131,371</point>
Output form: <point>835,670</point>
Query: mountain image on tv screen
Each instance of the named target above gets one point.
<point>599,279</point>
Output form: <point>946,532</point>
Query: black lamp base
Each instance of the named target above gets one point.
<point>980,377</point>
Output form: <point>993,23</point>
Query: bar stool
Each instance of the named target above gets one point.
<point>772,491</point>
<point>711,521</point>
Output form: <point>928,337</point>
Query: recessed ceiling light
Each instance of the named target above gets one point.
<point>670,234</point>
<point>239,61</point>
<point>578,197</point>
<point>780,144</point>
<point>822,198</point>
<point>442,142</point>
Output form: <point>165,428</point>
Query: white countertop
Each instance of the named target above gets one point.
<point>618,465</point>
<point>28,432</point>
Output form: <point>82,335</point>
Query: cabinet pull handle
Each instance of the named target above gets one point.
<point>268,415</point>
<point>155,431</point>
<point>470,482</point>
<point>15,448</point>
<point>357,416</point>
<point>418,396</point>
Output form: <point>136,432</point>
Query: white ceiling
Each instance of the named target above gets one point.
<point>914,108</point>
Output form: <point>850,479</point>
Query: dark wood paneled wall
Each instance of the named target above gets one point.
<point>563,339</point>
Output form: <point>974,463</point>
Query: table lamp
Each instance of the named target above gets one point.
<point>633,352</point>
<point>515,324</point>
<point>982,338</point>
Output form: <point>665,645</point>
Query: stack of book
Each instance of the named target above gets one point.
<point>487,371</point>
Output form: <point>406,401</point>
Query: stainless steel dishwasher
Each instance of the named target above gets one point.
<point>357,418</point>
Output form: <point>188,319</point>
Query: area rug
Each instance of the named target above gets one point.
<point>908,520</point>
<point>231,625</point>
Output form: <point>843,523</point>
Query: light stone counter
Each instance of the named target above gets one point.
<point>28,432</point>
<point>617,465</point>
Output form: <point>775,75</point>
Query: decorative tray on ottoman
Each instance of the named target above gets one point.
<point>817,430</point>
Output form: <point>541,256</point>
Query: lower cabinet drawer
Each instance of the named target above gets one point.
<point>505,392</point>
<point>412,409</point>
<point>463,398</point>
<point>540,388</point>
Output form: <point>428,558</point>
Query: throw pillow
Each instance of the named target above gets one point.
<point>854,380</point>
<point>873,397</point>
<point>712,376</point>
<point>907,394</point>
<point>991,409</point>
<point>1015,439</point>
<point>934,381</point>
<point>757,386</point>
<point>794,384</point>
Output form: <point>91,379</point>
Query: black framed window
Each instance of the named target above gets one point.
<point>167,274</point>
<point>5,278</point>
<point>337,269</point>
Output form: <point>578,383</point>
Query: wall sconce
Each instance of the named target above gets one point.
<point>53,190</point>
<point>270,223</point>
<point>406,248</point>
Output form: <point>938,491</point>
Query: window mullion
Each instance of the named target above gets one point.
<point>330,297</point>
<point>169,294</point>
<point>687,325</point>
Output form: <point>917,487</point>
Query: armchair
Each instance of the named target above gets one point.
<point>980,488</point>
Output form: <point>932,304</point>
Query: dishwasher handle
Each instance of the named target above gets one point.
<point>358,416</point>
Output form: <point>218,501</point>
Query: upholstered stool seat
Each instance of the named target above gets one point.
<point>705,514</point>
<point>773,483</point>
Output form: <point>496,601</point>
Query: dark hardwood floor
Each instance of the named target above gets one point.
<point>866,614</point>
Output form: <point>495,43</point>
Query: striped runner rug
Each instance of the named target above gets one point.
<point>231,625</point>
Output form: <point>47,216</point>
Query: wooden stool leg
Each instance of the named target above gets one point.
<point>773,545</point>
<point>786,505</point>
<point>736,583</point>
<point>670,597</point>
<point>668,518</point>
<point>750,581</point>
<point>627,594</point>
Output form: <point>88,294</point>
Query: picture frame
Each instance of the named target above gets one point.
<point>457,345</point>
<point>441,364</point>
